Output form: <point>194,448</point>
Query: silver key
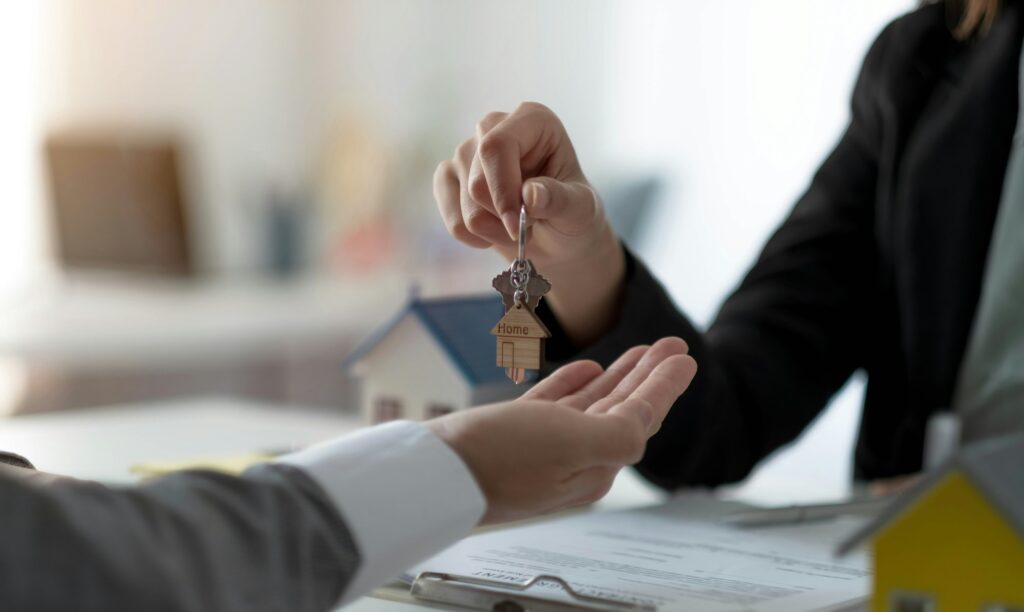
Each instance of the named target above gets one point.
<point>520,334</point>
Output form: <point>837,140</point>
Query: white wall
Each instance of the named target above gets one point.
<point>21,246</point>
<point>228,76</point>
<point>421,74</point>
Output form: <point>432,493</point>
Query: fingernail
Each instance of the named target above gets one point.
<point>541,195</point>
<point>511,220</point>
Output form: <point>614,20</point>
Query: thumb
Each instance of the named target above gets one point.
<point>570,207</point>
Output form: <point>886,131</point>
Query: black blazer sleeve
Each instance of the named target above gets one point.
<point>786,339</point>
<point>270,540</point>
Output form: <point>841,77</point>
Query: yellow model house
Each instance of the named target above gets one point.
<point>956,540</point>
<point>520,340</point>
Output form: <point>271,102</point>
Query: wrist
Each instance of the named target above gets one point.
<point>455,435</point>
<point>587,290</point>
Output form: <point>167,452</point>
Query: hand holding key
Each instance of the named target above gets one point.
<point>522,157</point>
<point>526,158</point>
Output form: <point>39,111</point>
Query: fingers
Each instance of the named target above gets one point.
<point>477,181</point>
<point>489,171</point>
<point>659,351</point>
<point>627,403</point>
<point>501,151</point>
<point>478,221</point>
<point>448,198</point>
<point>601,386</point>
<point>650,402</point>
<point>481,222</point>
<point>618,436</point>
<point>569,207</point>
<point>889,486</point>
<point>564,381</point>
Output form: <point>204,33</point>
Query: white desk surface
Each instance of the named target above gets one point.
<point>101,444</point>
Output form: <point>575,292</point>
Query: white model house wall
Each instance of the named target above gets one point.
<point>408,373</point>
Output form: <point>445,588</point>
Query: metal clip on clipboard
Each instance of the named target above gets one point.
<point>500,596</point>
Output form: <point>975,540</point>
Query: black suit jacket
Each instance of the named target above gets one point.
<point>878,267</point>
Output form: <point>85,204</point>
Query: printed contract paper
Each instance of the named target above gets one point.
<point>665,557</point>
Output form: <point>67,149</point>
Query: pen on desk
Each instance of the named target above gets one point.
<point>763,517</point>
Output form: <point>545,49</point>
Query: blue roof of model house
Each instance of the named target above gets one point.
<point>461,326</point>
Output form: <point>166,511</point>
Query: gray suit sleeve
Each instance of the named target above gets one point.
<point>269,540</point>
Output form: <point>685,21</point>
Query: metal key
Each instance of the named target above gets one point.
<point>520,334</point>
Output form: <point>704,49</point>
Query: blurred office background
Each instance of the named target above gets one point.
<point>224,197</point>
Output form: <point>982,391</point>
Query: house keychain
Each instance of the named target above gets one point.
<point>520,334</point>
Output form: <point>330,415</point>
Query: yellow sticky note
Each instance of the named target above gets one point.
<point>229,464</point>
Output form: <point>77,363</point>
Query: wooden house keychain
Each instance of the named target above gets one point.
<point>520,334</point>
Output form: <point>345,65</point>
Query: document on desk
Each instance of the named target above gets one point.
<point>664,557</point>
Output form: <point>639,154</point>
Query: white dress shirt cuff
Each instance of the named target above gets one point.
<point>403,493</point>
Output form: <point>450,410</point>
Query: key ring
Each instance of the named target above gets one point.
<point>522,232</point>
<point>520,268</point>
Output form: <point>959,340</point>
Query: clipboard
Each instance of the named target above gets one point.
<point>501,596</point>
<point>662,557</point>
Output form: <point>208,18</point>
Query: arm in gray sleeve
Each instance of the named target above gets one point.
<point>270,540</point>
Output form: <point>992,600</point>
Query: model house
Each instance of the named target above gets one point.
<point>956,540</point>
<point>433,357</point>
